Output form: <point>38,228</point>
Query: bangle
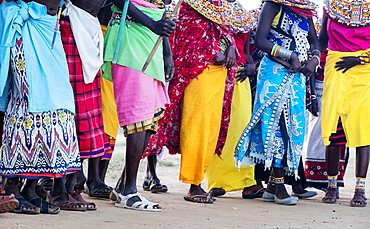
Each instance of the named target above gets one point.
<point>317,58</point>
<point>284,53</point>
<point>316,52</point>
<point>275,50</point>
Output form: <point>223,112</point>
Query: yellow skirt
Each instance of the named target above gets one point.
<point>222,172</point>
<point>200,122</point>
<point>346,95</point>
<point>109,108</point>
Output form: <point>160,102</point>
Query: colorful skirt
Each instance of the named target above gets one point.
<point>275,134</point>
<point>88,102</point>
<point>35,145</point>
<point>315,164</point>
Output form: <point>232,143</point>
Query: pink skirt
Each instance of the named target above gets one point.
<point>136,94</point>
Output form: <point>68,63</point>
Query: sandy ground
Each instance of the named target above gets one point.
<point>230,211</point>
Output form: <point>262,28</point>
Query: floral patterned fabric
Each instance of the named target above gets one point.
<point>196,40</point>
<point>35,145</point>
<point>280,101</point>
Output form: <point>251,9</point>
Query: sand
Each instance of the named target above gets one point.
<point>229,211</point>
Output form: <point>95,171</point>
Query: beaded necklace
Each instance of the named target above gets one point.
<point>218,11</point>
<point>352,13</point>
<point>244,20</point>
<point>303,4</point>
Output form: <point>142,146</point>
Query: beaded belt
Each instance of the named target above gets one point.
<point>118,16</point>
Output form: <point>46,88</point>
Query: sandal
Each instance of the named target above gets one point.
<point>113,196</point>
<point>217,192</point>
<point>101,191</point>
<point>70,205</point>
<point>358,200</point>
<point>41,191</point>
<point>25,207</point>
<point>204,199</point>
<point>77,195</point>
<point>146,185</point>
<point>331,199</point>
<point>257,194</point>
<point>142,205</point>
<point>44,206</point>
<point>156,186</point>
<point>8,203</point>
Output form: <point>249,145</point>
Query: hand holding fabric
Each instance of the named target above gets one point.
<point>296,64</point>
<point>230,56</point>
<point>347,63</point>
<point>247,70</point>
<point>309,66</point>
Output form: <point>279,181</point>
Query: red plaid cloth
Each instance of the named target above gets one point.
<point>195,47</point>
<point>89,121</point>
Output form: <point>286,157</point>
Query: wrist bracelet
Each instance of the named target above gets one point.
<point>364,58</point>
<point>316,52</point>
<point>284,53</point>
<point>317,58</point>
<point>275,50</point>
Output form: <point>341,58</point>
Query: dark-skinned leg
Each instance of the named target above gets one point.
<point>362,164</point>
<point>280,190</point>
<point>93,178</point>
<point>152,166</point>
<point>103,167</point>
<point>80,178</point>
<point>332,155</point>
<point>135,145</point>
<point>59,189</point>
<point>29,193</point>
<point>29,189</point>
<point>11,187</point>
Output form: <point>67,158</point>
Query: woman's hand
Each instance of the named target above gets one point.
<point>296,64</point>
<point>247,70</point>
<point>169,68</point>
<point>309,66</point>
<point>220,58</point>
<point>314,107</point>
<point>347,63</point>
<point>230,56</point>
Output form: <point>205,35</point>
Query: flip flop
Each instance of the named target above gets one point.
<point>203,199</point>
<point>23,202</point>
<point>257,194</point>
<point>8,203</point>
<point>44,206</point>
<point>291,200</point>
<point>305,195</point>
<point>217,192</point>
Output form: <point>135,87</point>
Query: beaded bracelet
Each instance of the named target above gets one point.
<point>275,50</point>
<point>364,58</point>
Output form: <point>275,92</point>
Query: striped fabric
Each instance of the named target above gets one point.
<point>89,122</point>
<point>338,138</point>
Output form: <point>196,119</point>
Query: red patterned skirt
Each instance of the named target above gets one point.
<point>89,121</point>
